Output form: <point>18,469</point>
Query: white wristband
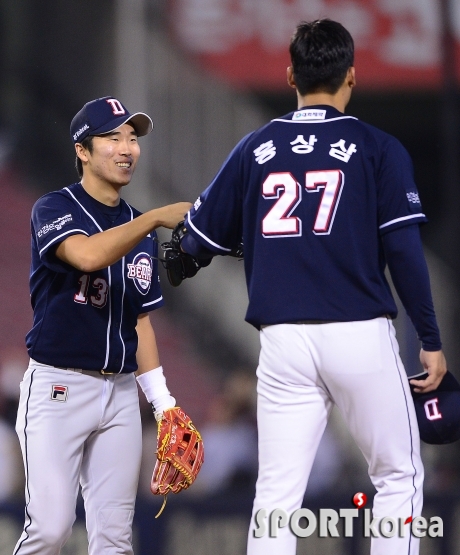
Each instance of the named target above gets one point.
<point>153,384</point>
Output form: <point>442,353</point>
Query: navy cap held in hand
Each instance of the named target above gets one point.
<point>438,412</point>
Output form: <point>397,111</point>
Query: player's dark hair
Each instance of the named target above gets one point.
<point>87,143</point>
<point>321,52</point>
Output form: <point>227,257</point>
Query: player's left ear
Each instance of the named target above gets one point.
<point>290,77</point>
<point>81,152</point>
<point>351,77</point>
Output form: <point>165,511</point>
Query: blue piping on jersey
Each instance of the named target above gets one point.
<point>402,219</point>
<point>204,236</point>
<point>153,302</point>
<point>314,121</point>
<point>62,235</point>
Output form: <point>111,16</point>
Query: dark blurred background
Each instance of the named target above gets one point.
<point>208,72</point>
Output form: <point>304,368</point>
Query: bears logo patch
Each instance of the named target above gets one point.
<point>140,271</point>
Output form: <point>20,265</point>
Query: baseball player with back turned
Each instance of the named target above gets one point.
<point>93,283</point>
<point>323,203</point>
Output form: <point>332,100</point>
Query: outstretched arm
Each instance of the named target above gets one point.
<point>98,251</point>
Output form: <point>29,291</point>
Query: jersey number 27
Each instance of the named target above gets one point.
<point>278,221</point>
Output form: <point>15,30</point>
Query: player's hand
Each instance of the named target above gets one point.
<point>434,363</point>
<point>169,216</point>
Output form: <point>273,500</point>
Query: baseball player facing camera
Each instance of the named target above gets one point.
<point>323,202</point>
<point>93,282</point>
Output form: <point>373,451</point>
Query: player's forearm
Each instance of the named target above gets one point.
<point>147,352</point>
<point>149,374</point>
<point>191,246</point>
<point>103,249</point>
<point>406,261</point>
<point>107,247</point>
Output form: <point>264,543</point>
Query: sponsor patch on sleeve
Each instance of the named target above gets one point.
<point>412,197</point>
<point>197,204</point>
<point>413,200</point>
<point>54,225</point>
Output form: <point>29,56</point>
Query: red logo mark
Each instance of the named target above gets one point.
<point>360,499</point>
<point>408,520</point>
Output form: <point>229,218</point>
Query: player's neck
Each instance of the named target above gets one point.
<point>338,100</point>
<point>102,191</point>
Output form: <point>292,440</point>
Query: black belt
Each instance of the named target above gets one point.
<point>88,372</point>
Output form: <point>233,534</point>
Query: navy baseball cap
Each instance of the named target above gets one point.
<point>104,115</point>
<point>438,412</point>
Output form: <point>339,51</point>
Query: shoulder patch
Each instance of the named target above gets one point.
<point>54,225</point>
<point>413,197</point>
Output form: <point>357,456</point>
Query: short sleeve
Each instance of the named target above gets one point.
<point>54,218</point>
<point>398,198</point>
<point>215,219</point>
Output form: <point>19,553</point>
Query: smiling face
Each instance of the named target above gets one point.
<point>113,158</point>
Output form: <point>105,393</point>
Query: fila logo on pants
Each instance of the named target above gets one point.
<point>59,393</point>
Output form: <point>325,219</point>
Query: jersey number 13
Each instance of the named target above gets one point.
<point>98,300</point>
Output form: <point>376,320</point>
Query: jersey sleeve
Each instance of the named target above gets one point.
<point>54,218</point>
<point>409,272</point>
<point>215,219</point>
<point>398,199</point>
<point>154,298</point>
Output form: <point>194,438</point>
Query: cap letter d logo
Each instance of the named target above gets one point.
<point>432,409</point>
<point>117,108</point>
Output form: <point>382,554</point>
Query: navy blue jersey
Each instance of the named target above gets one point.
<point>311,195</point>
<point>87,320</point>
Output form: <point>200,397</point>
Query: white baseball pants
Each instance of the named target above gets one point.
<point>89,434</point>
<point>304,369</point>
